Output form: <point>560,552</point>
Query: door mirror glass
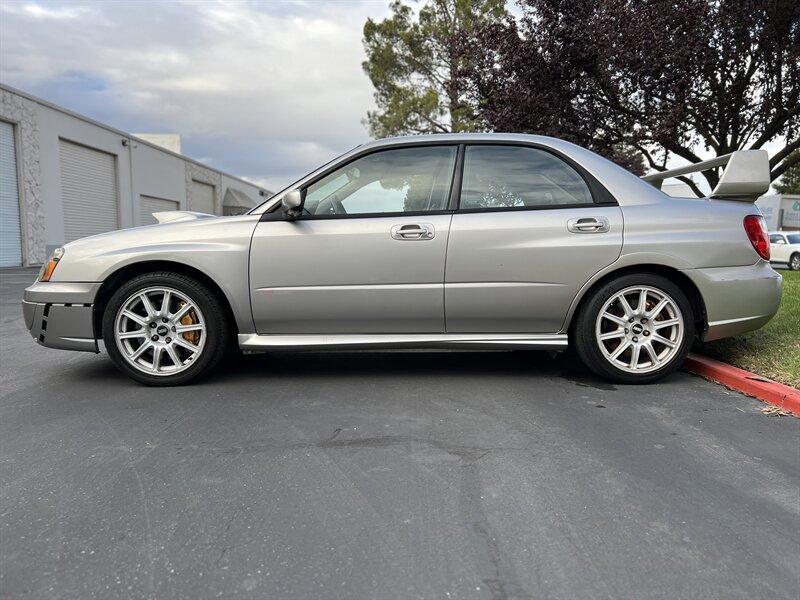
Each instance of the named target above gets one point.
<point>292,203</point>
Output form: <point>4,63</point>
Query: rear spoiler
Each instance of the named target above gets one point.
<point>746,175</point>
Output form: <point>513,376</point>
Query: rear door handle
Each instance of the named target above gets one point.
<point>588,225</point>
<point>415,231</point>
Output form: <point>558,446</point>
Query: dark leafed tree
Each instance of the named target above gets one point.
<point>665,77</point>
<point>789,183</point>
<point>416,62</point>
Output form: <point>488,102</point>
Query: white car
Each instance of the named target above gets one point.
<point>785,248</point>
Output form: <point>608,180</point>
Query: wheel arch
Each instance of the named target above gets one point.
<point>674,275</point>
<point>126,272</point>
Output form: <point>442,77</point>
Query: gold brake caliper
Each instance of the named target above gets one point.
<point>190,318</point>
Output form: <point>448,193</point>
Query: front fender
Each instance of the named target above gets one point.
<point>218,248</point>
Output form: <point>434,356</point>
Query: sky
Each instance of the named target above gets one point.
<point>263,90</point>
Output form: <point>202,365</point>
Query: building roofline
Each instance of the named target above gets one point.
<point>125,134</point>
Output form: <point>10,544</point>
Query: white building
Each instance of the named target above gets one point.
<point>781,211</point>
<point>64,176</point>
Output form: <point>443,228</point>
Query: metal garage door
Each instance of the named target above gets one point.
<point>202,196</point>
<point>10,237</point>
<point>89,191</point>
<point>148,205</point>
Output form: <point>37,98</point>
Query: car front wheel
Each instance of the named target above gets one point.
<point>794,262</point>
<point>635,329</point>
<point>164,329</point>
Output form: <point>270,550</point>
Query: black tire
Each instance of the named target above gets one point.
<point>794,262</point>
<point>588,347</point>
<point>218,329</point>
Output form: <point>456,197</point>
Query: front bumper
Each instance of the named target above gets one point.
<point>61,315</point>
<point>737,299</point>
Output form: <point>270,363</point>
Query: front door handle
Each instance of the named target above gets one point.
<point>588,225</point>
<point>415,231</point>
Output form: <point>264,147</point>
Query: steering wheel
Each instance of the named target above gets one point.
<point>338,208</point>
<point>330,206</point>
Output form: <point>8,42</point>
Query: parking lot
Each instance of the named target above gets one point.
<point>386,475</point>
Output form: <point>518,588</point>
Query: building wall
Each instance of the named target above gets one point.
<point>143,169</point>
<point>22,113</point>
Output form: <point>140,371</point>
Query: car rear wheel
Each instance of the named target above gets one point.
<point>165,329</point>
<point>635,329</point>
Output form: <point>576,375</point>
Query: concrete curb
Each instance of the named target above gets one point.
<point>766,390</point>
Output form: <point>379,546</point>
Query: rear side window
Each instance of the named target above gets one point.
<point>519,177</point>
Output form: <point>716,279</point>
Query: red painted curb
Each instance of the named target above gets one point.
<point>766,390</point>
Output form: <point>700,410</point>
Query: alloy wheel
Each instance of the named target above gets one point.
<point>639,329</point>
<point>160,331</point>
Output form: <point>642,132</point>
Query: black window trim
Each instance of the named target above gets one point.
<point>276,214</point>
<point>600,195</point>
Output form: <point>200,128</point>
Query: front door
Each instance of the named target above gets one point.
<point>366,256</point>
<point>529,232</point>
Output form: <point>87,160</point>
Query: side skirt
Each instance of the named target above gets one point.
<point>470,341</point>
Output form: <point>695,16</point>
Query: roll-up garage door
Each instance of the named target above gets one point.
<point>10,236</point>
<point>202,197</point>
<point>148,205</point>
<point>89,191</point>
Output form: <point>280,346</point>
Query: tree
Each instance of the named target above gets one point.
<point>789,183</point>
<point>417,65</point>
<point>666,77</point>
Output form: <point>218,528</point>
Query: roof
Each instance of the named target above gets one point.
<point>462,138</point>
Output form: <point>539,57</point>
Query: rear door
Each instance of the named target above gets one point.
<point>366,257</point>
<point>530,230</point>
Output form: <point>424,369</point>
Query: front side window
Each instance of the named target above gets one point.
<point>776,239</point>
<point>388,181</point>
<point>519,177</point>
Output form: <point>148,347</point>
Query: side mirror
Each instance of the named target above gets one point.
<point>292,203</point>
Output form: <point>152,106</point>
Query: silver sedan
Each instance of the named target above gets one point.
<point>448,241</point>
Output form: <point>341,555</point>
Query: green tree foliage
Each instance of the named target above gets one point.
<point>668,78</point>
<point>417,63</point>
<point>790,182</point>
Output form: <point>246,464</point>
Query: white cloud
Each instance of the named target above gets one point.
<point>266,90</point>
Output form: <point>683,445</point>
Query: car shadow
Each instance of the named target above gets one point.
<point>283,366</point>
<point>405,363</point>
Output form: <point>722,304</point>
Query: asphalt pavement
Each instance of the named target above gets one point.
<point>386,475</point>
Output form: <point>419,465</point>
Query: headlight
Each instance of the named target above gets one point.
<point>47,269</point>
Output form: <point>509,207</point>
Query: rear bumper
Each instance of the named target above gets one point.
<point>61,315</point>
<point>737,299</point>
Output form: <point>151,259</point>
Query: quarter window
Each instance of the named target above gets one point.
<point>390,181</point>
<point>519,177</point>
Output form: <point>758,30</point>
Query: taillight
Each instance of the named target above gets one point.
<point>756,228</point>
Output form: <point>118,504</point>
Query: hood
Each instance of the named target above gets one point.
<point>173,216</point>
